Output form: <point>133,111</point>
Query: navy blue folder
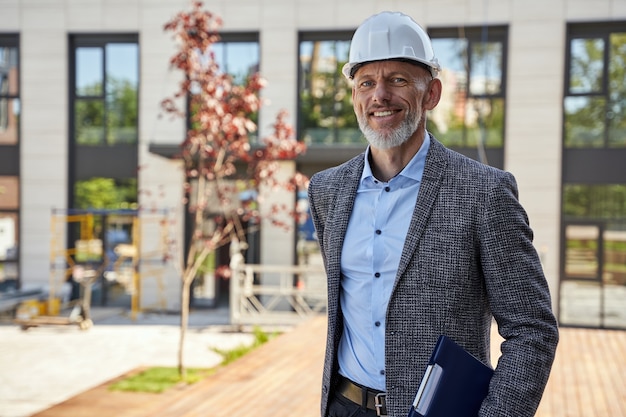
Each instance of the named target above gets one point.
<point>454,385</point>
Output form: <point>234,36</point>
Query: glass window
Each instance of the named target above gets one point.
<point>9,192</point>
<point>325,112</point>
<point>104,87</point>
<point>9,235</point>
<point>106,92</point>
<point>471,111</point>
<point>89,71</point>
<point>106,193</point>
<point>616,110</point>
<point>594,106</point>
<point>592,202</point>
<point>584,121</point>
<point>9,149</point>
<point>9,91</point>
<point>593,274</point>
<point>586,66</point>
<point>239,59</point>
<point>238,55</point>
<point>593,284</point>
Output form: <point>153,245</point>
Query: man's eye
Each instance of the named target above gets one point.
<point>367,84</point>
<point>398,80</point>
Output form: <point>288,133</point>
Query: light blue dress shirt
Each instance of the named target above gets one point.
<point>369,261</point>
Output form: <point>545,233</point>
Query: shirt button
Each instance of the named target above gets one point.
<point>377,274</point>
<point>378,232</point>
<point>387,189</point>
<point>382,372</point>
<point>377,324</point>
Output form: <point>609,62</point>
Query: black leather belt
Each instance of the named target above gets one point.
<point>366,397</point>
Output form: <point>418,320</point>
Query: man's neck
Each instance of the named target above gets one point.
<point>387,163</point>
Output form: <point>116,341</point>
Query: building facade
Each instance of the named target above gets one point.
<point>533,87</point>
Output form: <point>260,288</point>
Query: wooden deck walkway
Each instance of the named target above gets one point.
<point>282,378</point>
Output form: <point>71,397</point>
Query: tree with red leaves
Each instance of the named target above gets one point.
<point>219,159</point>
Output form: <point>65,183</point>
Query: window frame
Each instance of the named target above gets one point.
<point>603,31</point>
<point>494,156</point>
<point>10,168</point>
<point>322,36</point>
<point>117,160</point>
<point>589,167</point>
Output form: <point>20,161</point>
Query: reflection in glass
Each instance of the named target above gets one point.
<point>580,303</point>
<point>9,193</point>
<point>8,236</point>
<point>484,119</point>
<point>486,68</point>
<point>617,91</point>
<point>326,112</point>
<point>238,59</point>
<point>584,121</point>
<point>106,193</point>
<point>452,55</point>
<point>471,110</point>
<point>594,290</point>
<point>447,120</point>
<point>9,82</point>
<point>581,252</point>
<point>9,121</point>
<point>614,275</point>
<point>581,294</point>
<point>122,73</point>
<point>89,122</point>
<point>122,116</point>
<point>606,201</point>
<point>586,65</point>
<point>106,109</point>
<point>89,71</point>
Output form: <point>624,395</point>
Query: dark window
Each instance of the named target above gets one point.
<point>325,113</point>
<point>9,162</point>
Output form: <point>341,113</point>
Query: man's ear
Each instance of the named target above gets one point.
<point>433,94</point>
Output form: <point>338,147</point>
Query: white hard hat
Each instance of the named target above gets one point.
<point>390,35</point>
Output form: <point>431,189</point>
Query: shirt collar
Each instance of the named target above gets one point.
<point>413,170</point>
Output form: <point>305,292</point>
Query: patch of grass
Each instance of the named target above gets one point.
<point>158,379</point>
<point>231,355</point>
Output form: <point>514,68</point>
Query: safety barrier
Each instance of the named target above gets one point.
<point>276,294</point>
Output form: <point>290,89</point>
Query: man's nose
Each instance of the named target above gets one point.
<point>381,93</point>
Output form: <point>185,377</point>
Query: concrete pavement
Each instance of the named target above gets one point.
<point>49,364</point>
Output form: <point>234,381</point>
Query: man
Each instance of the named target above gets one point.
<point>420,241</point>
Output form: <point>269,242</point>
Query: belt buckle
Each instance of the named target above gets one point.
<point>380,402</point>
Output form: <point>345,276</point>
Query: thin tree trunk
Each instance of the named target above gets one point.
<point>184,321</point>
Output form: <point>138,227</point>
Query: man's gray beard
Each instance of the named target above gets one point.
<point>389,140</point>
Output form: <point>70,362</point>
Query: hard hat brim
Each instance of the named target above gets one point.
<point>350,68</point>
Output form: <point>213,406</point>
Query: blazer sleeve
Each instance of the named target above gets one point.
<point>520,301</point>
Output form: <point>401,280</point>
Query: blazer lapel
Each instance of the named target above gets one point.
<point>429,189</point>
<point>346,187</point>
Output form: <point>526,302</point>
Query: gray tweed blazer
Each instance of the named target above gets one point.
<point>468,257</point>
